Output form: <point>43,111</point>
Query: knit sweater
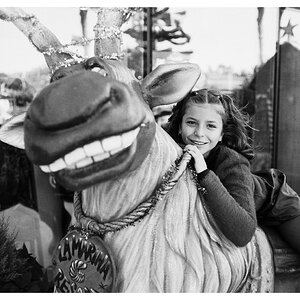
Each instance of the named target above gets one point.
<point>229,194</point>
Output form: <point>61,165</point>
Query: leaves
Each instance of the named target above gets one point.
<point>19,270</point>
<point>10,264</point>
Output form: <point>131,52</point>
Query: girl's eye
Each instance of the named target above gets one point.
<point>190,122</point>
<point>211,126</point>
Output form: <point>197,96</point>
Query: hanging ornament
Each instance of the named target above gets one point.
<point>288,30</point>
<point>83,264</point>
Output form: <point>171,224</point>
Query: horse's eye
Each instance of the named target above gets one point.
<point>57,76</point>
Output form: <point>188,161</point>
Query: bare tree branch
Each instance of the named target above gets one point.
<point>40,36</point>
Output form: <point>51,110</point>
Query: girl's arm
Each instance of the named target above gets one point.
<point>229,196</point>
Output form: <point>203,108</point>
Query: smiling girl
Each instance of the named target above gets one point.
<point>213,133</point>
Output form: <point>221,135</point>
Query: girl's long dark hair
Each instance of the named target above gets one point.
<point>235,122</point>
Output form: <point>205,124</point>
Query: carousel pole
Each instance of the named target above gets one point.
<point>83,21</point>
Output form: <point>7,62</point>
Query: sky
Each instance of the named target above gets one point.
<point>220,34</point>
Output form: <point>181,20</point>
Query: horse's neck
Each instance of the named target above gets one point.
<point>113,199</point>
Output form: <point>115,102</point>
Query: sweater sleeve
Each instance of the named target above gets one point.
<point>229,197</point>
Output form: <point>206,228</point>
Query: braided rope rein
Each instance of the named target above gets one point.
<point>169,180</point>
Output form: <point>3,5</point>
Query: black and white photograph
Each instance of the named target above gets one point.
<point>150,149</point>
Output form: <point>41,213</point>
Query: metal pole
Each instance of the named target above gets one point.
<point>276,94</point>
<point>149,40</point>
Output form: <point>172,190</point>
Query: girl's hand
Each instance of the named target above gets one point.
<point>199,161</point>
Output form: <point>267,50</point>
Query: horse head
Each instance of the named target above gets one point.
<point>94,121</point>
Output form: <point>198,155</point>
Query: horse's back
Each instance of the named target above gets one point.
<point>286,263</point>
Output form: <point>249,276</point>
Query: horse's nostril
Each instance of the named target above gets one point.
<point>106,104</point>
<point>27,117</point>
<point>114,95</point>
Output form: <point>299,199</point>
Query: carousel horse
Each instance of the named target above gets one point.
<point>94,129</point>
<point>141,223</point>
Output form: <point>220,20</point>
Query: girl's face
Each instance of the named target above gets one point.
<point>202,126</point>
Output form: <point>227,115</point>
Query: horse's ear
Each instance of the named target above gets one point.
<point>169,83</point>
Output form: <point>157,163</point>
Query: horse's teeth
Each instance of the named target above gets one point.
<point>74,156</point>
<point>73,166</point>
<point>129,137</point>
<point>45,169</point>
<point>57,165</point>
<point>112,152</point>
<point>100,157</point>
<point>84,162</point>
<point>112,143</point>
<point>93,152</point>
<point>93,148</point>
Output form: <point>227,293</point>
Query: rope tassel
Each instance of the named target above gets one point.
<point>169,180</point>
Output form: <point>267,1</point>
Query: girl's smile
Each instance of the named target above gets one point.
<point>202,126</point>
